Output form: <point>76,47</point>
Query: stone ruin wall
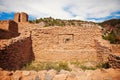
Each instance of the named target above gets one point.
<point>21,17</point>
<point>115,49</point>
<point>16,52</point>
<point>4,25</point>
<point>17,17</point>
<point>24,17</point>
<point>65,43</point>
<point>9,25</point>
<point>114,57</point>
<point>54,44</point>
<point>8,28</point>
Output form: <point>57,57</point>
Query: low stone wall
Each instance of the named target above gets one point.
<point>102,51</point>
<point>16,54</point>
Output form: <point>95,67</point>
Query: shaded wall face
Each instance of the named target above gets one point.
<point>23,17</point>
<point>16,54</point>
<point>65,43</point>
<point>13,27</point>
<point>17,17</point>
<point>8,29</point>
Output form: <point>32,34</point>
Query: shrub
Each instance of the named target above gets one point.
<point>111,37</point>
<point>103,65</point>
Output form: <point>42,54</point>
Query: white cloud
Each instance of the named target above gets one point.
<point>83,9</point>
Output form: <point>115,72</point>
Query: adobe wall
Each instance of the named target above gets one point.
<point>65,43</point>
<point>8,29</point>
<point>15,53</point>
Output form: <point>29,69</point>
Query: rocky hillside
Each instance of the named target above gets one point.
<point>111,30</point>
<point>58,22</point>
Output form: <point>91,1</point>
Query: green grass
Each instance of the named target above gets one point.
<point>46,66</point>
<point>82,66</point>
<point>103,65</point>
<point>37,66</point>
<point>87,68</point>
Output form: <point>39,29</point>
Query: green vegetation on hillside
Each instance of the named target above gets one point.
<point>111,30</point>
<point>110,36</point>
<point>57,22</point>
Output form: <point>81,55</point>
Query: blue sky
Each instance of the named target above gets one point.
<point>89,10</point>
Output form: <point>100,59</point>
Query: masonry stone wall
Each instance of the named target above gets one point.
<point>8,28</point>
<point>65,43</point>
<point>4,25</point>
<point>16,53</point>
<point>24,17</point>
<point>114,61</point>
<point>21,17</point>
<point>115,49</point>
<point>17,17</point>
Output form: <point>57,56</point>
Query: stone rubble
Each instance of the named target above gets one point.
<point>99,74</point>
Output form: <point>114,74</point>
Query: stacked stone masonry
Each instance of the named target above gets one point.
<point>69,43</point>
<point>8,29</point>
<point>21,17</point>
<point>16,53</point>
<point>114,61</point>
<point>115,49</point>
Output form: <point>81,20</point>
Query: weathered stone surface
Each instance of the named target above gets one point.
<point>17,17</point>
<point>60,77</point>
<point>26,73</point>
<point>42,74</point>
<point>21,17</point>
<point>17,75</point>
<point>115,48</point>
<point>99,74</point>
<point>71,76</point>
<point>74,43</point>
<point>48,77</point>
<point>68,43</point>
<point>16,53</point>
<point>52,72</point>
<point>114,61</point>
<point>8,29</point>
<point>63,72</point>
